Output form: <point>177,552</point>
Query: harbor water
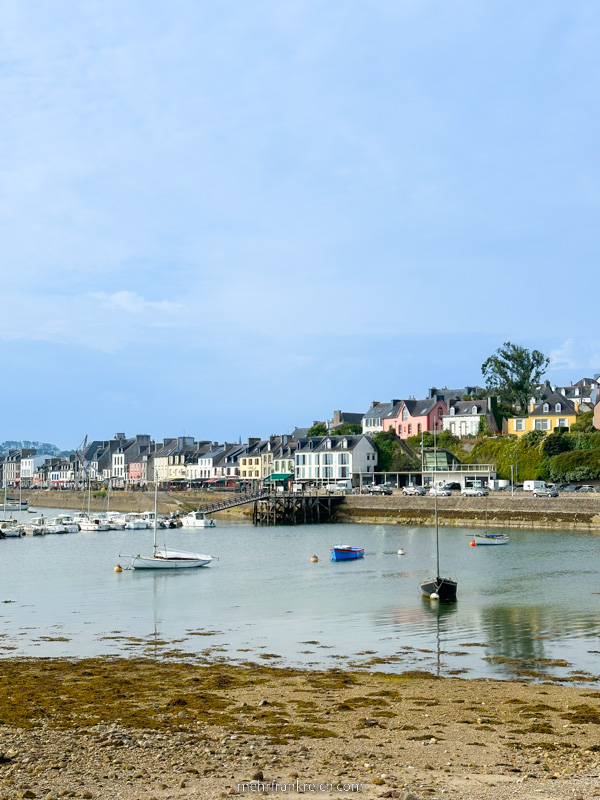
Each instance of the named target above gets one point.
<point>528,609</point>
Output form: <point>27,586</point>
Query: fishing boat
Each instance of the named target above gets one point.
<point>343,552</point>
<point>438,588</point>
<point>167,559</point>
<point>198,519</point>
<point>491,538</point>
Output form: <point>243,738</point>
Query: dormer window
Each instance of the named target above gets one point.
<point>452,411</point>
<point>328,444</point>
<point>345,444</point>
<point>404,414</point>
<point>545,408</point>
<point>558,408</point>
<point>474,409</point>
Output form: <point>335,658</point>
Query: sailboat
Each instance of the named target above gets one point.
<point>167,559</point>
<point>438,588</point>
<point>487,537</point>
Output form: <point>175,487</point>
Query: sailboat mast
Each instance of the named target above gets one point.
<point>155,514</point>
<point>437,530</point>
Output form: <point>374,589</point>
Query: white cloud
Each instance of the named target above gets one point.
<point>135,303</point>
<point>564,356</point>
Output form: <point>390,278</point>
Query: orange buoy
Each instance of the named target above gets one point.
<point>118,568</point>
<point>473,544</point>
<point>314,559</point>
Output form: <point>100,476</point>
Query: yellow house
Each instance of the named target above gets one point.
<point>556,411</point>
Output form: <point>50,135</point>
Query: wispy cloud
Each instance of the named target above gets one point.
<point>564,357</point>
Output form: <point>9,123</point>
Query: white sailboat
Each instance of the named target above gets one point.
<point>167,559</point>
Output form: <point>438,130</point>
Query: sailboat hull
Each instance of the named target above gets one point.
<point>443,587</point>
<point>149,562</point>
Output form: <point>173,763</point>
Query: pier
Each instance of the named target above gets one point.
<point>294,509</point>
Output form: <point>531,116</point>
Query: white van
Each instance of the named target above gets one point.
<point>531,486</point>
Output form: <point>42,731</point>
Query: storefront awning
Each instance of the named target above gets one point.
<point>278,476</point>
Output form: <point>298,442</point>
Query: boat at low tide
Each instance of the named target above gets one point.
<point>343,552</point>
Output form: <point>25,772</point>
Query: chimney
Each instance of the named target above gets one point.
<point>375,403</point>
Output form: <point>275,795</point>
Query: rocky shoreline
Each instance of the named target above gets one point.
<point>142,728</point>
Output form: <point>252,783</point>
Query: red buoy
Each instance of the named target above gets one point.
<point>473,544</point>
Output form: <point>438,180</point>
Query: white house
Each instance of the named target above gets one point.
<point>29,466</point>
<point>328,459</point>
<point>463,417</point>
<point>372,422</point>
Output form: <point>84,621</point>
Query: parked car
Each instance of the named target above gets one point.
<point>439,491</point>
<point>380,489</point>
<point>569,488</point>
<point>452,486</point>
<point>412,491</point>
<point>475,491</point>
<point>587,489</point>
<point>545,492</point>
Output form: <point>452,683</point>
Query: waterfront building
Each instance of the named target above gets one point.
<point>328,459</point>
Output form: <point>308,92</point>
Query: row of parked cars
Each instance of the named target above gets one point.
<point>541,490</point>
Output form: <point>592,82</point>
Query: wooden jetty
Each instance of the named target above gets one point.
<point>294,509</point>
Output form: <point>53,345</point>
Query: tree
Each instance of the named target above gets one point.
<point>348,428</point>
<point>585,423</point>
<point>512,372</point>
<point>391,456</point>
<point>318,429</point>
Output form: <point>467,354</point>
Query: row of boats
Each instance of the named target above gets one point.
<point>105,521</point>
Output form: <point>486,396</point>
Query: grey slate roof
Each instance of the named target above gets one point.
<point>317,444</point>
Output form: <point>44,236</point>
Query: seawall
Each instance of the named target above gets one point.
<point>520,511</point>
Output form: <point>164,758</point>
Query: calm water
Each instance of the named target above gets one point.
<point>536,598</point>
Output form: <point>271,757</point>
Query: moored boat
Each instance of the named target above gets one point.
<point>198,519</point>
<point>344,552</point>
<point>491,538</point>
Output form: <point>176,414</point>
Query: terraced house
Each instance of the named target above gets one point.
<point>329,459</point>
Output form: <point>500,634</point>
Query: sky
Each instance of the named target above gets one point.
<point>229,219</point>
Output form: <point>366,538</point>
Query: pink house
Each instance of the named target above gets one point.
<point>413,417</point>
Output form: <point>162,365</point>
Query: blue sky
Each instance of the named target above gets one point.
<point>231,218</point>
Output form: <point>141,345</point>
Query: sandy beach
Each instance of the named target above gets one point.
<point>140,728</point>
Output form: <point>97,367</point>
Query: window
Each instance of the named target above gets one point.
<point>257,460</point>
<point>545,408</point>
<point>440,411</point>
<point>343,458</point>
<point>419,428</point>
<point>404,414</point>
<point>519,424</point>
<point>542,424</point>
<point>474,410</point>
<point>453,411</point>
<point>558,408</point>
<point>563,423</point>
<point>409,430</point>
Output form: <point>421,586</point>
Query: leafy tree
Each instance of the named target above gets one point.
<point>554,444</point>
<point>585,423</point>
<point>512,372</point>
<point>318,429</point>
<point>392,457</point>
<point>347,428</point>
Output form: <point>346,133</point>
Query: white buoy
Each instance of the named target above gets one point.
<point>401,553</point>
<point>434,596</point>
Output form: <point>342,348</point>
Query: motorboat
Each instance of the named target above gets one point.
<point>343,552</point>
<point>135,522</point>
<point>198,519</point>
<point>94,524</point>
<point>55,526</point>
<point>11,529</point>
<point>69,522</point>
<point>38,526</point>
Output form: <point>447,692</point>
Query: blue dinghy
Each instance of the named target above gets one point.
<point>343,552</point>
